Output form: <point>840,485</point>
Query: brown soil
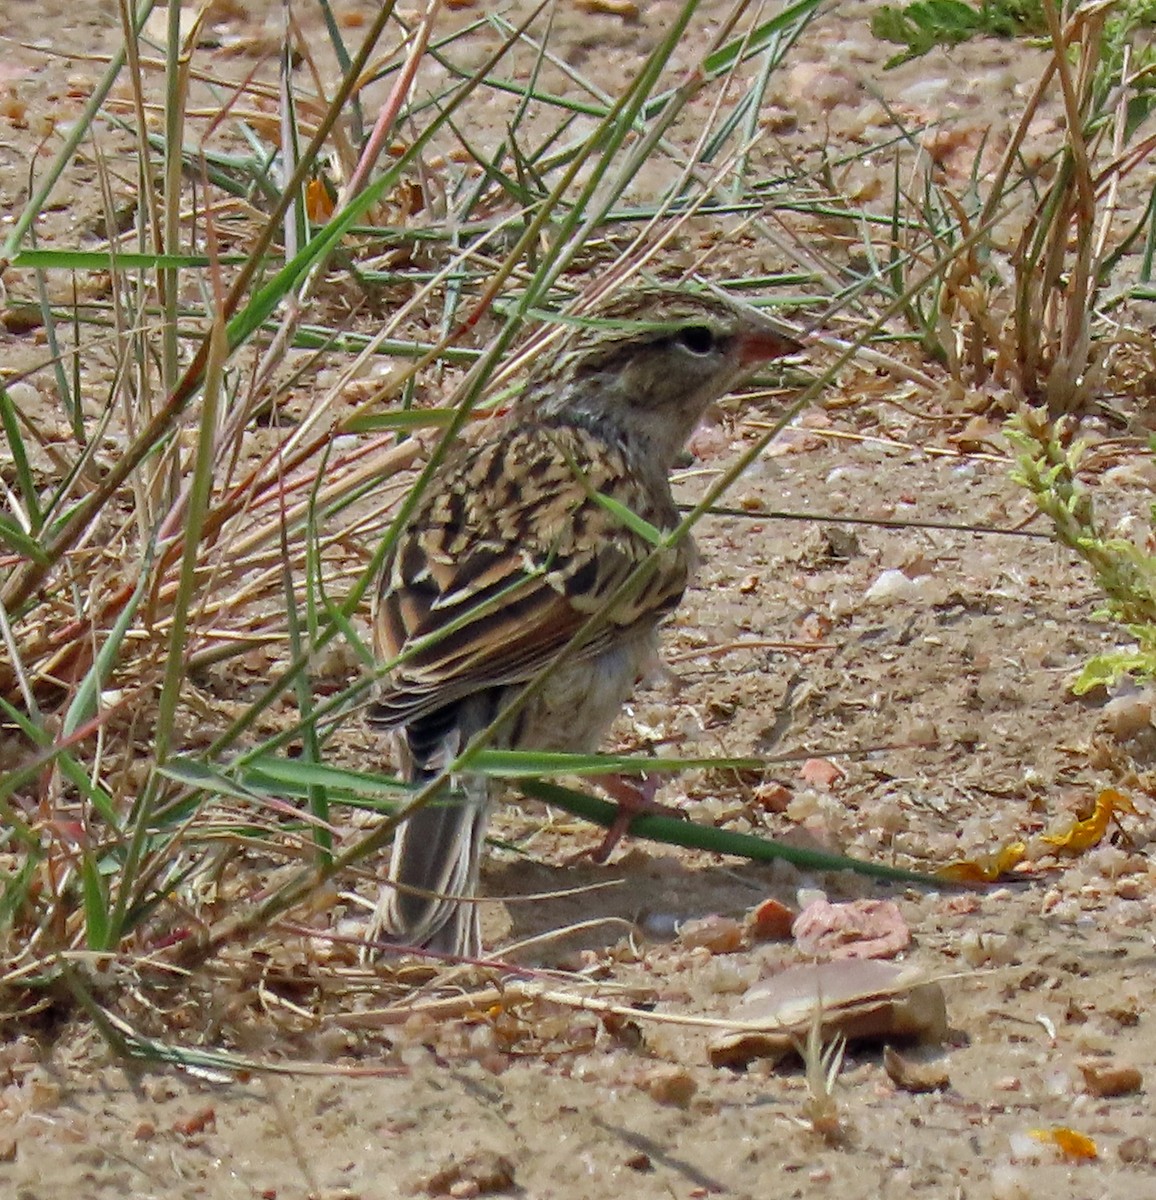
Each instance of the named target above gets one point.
<point>953,689</point>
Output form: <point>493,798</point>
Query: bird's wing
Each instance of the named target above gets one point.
<point>510,556</point>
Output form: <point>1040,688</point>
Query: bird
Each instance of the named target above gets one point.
<point>532,526</point>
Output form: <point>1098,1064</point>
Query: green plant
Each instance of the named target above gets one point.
<point>1048,466</point>
<point>1028,299</point>
<point>1028,252</point>
<point>923,26</point>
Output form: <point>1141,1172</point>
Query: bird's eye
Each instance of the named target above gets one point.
<point>698,339</point>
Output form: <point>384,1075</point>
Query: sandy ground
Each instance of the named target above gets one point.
<point>953,686</point>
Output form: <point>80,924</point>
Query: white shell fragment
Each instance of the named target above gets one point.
<point>862,999</point>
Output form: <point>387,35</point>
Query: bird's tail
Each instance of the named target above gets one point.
<point>433,874</point>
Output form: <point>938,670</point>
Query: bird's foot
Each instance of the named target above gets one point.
<point>634,797</point>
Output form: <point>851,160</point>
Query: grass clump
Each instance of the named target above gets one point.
<point>193,516</point>
<point>1027,254</point>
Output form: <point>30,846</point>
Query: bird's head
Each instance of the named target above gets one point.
<point>645,367</point>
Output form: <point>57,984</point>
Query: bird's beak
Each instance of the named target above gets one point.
<point>762,345</point>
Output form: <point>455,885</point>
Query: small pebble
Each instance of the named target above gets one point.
<point>771,921</point>
<point>672,1085</point>
<point>719,935</point>
<point>1025,1148</point>
<point>1126,716</point>
<point>1010,1183</point>
<point>892,586</point>
<point>1134,1150</point>
<point>1106,1078</point>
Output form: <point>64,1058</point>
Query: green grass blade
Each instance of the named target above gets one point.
<point>119,260</point>
<point>12,536</point>
<point>673,832</point>
<point>97,927</point>
<point>29,493</point>
<point>525,764</point>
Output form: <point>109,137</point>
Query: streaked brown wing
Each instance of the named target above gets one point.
<point>505,563</point>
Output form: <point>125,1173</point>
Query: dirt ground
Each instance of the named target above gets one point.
<point>940,655</point>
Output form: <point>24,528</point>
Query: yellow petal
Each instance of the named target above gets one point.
<point>1083,835</point>
<point>1068,1142</point>
<point>986,869</point>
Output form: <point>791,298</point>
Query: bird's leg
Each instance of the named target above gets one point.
<point>634,797</point>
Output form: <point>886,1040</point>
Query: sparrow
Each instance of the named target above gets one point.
<point>530,528</point>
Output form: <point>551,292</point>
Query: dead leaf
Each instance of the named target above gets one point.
<point>978,435</point>
<point>319,201</point>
